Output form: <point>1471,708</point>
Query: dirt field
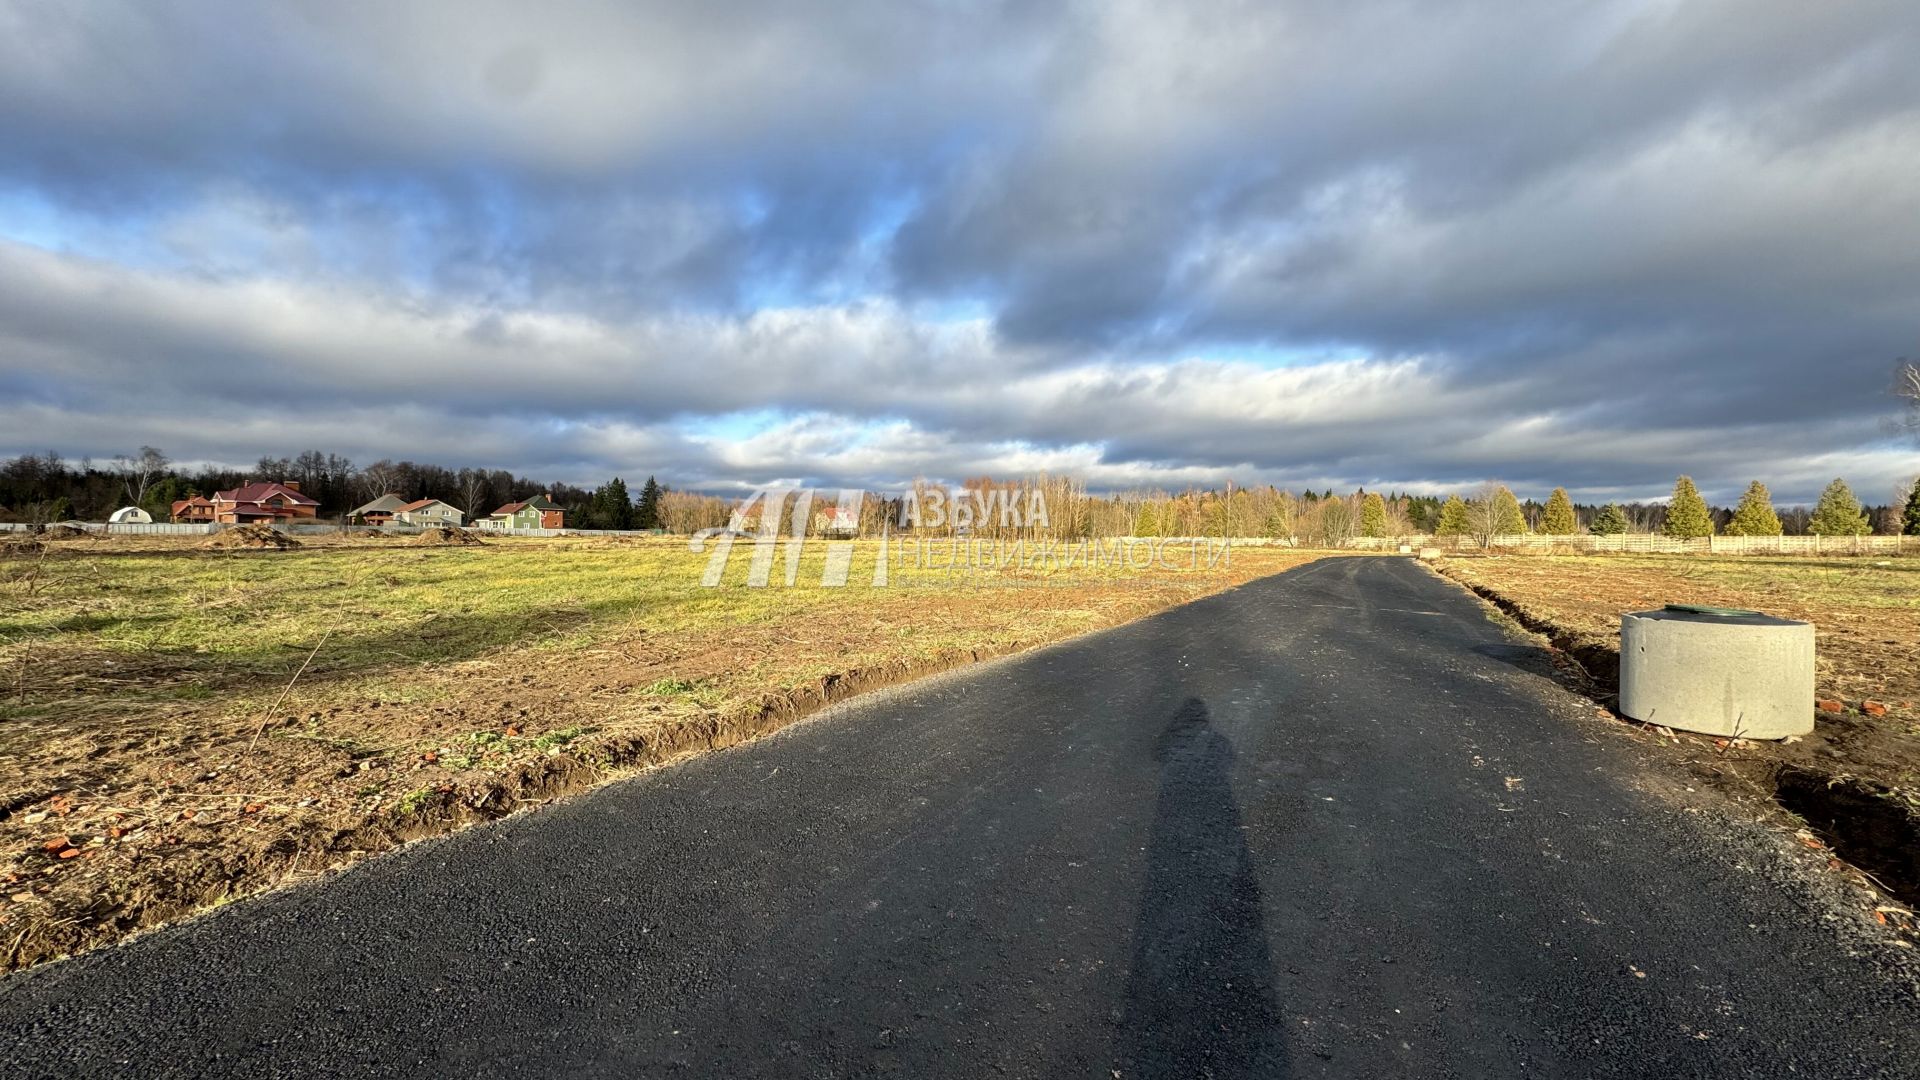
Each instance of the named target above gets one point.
<point>183,726</point>
<point>1856,779</point>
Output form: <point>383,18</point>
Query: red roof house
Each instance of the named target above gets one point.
<point>267,501</point>
<point>195,511</point>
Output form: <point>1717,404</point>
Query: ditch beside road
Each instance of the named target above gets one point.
<point>1334,822</point>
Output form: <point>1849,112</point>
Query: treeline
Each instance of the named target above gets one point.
<point>45,487</point>
<point>1327,519</point>
<point>1495,511</point>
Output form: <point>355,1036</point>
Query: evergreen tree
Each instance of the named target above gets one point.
<point>1687,515</point>
<point>647,515</point>
<point>1558,519</point>
<point>1754,516</point>
<point>609,507</point>
<point>1910,520</point>
<point>1610,521</point>
<point>1373,516</point>
<point>1838,513</point>
<point>161,496</point>
<point>1148,523</point>
<point>1453,518</point>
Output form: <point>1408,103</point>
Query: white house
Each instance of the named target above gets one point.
<point>130,515</point>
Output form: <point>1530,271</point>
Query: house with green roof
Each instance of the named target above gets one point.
<point>538,512</point>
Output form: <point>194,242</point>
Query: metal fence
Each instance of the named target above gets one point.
<point>128,528</point>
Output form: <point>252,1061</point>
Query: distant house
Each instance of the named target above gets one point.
<point>266,502</point>
<point>130,515</point>
<point>837,521</point>
<point>430,512</point>
<point>538,512</point>
<point>379,511</point>
<point>198,510</point>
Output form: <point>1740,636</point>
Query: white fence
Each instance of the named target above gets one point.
<point>1641,543</point>
<point>1657,544</point>
<point>157,528</point>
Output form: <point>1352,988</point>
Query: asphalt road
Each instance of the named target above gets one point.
<point>1331,823</point>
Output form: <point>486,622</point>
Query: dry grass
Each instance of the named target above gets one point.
<point>193,725</point>
<point>1866,611</point>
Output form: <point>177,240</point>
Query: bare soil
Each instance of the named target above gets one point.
<point>195,726</point>
<point>445,534</point>
<point>1855,779</point>
<point>255,537</point>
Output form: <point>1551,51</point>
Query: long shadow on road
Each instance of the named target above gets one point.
<point>1200,1000</point>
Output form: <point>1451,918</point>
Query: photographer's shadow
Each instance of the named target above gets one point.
<point>1200,1001</point>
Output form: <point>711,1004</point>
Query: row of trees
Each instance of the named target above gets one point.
<point>610,507</point>
<point>1327,519</point>
<point>45,487</point>
<point>1686,515</point>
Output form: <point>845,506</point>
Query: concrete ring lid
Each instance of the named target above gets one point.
<point>1700,613</point>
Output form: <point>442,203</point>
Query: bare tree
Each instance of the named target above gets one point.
<point>379,479</point>
<point>1283,517</point>
<point>1492,512</point>
<point>139,471</point>
<point>473,489</point>
<point>1906,386</point>
<point>1330,522</point>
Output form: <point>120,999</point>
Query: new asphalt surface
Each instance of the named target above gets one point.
<point>1331,823</point>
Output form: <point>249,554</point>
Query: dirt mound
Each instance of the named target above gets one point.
<point>65,532</point>
<point>446,534</point>
<point>250,537</point>
<point>21,546</point>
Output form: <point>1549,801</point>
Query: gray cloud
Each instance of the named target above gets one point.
<point>1380,243</point>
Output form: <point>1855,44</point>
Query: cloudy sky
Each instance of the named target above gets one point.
<point>1410,245</point>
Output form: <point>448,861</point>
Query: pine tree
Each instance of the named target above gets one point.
<point>609,506</point>
<point>1610,521</point>
<point>1453,518</point>
<point>1507,508</point>
<point>1558,519</point>
<point>1910,519</point>
<point>647,514</point>
<point>1754,516</point>
<point>1373,516</point>
<point>1148,523</point>
<point>1687,515</point>
<point>1838,513</point>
